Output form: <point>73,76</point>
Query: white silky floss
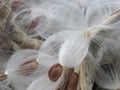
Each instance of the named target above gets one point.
<point>74,48</point>
<point>21,82</point>
<point>44,83</point>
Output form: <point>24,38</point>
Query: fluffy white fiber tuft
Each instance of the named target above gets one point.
<point>90,21</point>
<point>44,83</point>
<point>17,79</point>
<point>74,50</point>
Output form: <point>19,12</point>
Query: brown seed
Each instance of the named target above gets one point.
<point>28,67</point>
<point>18,5</point>
<point>2,76</point>
<point>73,81</point>
<point>36,21</point>
<point>55,72</point>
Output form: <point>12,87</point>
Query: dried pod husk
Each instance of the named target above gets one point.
<point>7,44</point>
<point>21,38</point>
<point>2,76</point>
<point>18,5</point>
<point>28,67</point>
<point>4,12</point>
<point>55,72</point>
<point>73,81</point>
<point>32,43</point>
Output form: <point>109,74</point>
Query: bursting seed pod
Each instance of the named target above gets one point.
<point>74,46</point>
<point>27,65</point>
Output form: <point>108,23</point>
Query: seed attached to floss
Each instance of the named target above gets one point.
<point>35,22</point>
<point>18,5</point>
<point>28,67</point>
<point>55,72</point>
<point>73,81</point>
<point>2,76</point>
<point>67,76</point>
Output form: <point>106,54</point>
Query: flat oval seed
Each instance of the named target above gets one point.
<point>18,5</point>
<point>55,72</point>
<point>73,81</point>
<point>36,21</point>
<point>28,67</point>
<point>2,76</point>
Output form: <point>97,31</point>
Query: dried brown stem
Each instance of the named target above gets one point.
<point>114,16</point>
<point>83,76</point>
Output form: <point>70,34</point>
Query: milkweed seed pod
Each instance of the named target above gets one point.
<point>75,46</point>
<point>27,65</point>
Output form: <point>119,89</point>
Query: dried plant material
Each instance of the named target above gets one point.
<point>28,67</point>
<point>32,43</point>
<point>7,44</point>
<point>21,38</point>
<point>4,12</point>
<point>83,76</point>
<point>73,82</point>
<point>55,72</point>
